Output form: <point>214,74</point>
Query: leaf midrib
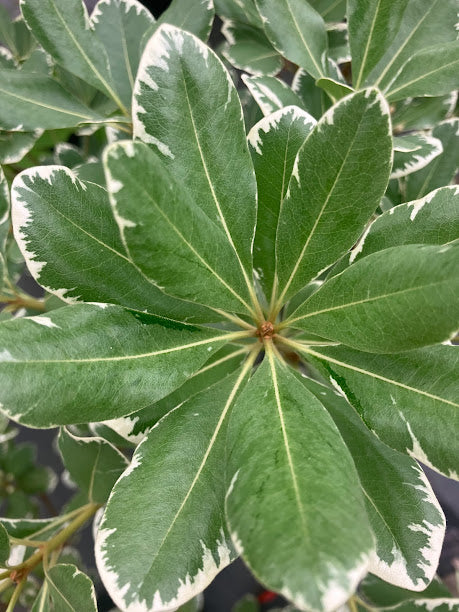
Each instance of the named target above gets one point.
<point>366,300</point>
<point>377,376</point>
<point>419,78</point>
<point>244,371</point>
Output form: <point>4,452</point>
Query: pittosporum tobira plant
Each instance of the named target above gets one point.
<point>240,306</point>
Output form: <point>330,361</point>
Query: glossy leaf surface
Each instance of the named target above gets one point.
<point>394,300</point>
<point>282,470</point>
<point>93,362</point>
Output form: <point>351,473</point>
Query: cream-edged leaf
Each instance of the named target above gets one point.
<point>180,464</point>
<point>92,362</point>
<point>342,184</point>
<point>274,142</point>
<point>168,235</point>
<point>405,516</point>
<point>271,94</point>
<point>187,109</point>
<point>83,258</point>
<point>394,300</point>
<point>286,459</point>
<point>409,399</point>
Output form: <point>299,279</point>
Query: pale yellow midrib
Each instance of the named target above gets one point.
<point>318,68</point>
<point>214,196</point>
<point>245,370</point>
<point>423,76</point>
<point>367,46</point>
<point>225,337</point>
<point>48,106</point>
<point>366,300</point>
<point>270,354</point>
<point>378,376</point>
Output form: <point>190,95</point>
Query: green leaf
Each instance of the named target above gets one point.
<point>244,12</point>
<point>432,219</point>
<point>195,16</point>
<point>178,543</point>
<point>25,527</point>
<point>313,98</point>
<point>274,142</point>
<point>334,89</point>
<point>167,235</point>
<point>441,171</point>
<point>331,10</point>
<point>338,43</point>
<point>381,593</point>
<point>271,94</point>
<point>66,33</point>
<point>31,101</point>
<point>422,113</point>
<point>42,602</point>
<point>203,144</point>
<point>294,506</point>
<point>94,465</point>
<point>15,35</point>
<point>373,24</point>
<point>4,545</point>
<point>92,362</point>
<point>120,26</point>
<point>248,49</point>
<point>83,224</point>
<point>409,400</point>
<point>424,24</point>
<point>397,495</point>
<point>297,31</point>
<point>431,72</point>
<point>248,603</point>
<point>135,427</point>
<point>15,145</point>
<point>394,300</point>
<point>342,184</point>
<point>70,590</point>
<point>413,152</point>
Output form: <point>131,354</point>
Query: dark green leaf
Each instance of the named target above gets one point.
<point>187,108</point>
<point>84,257</point>
<point>342,184</point>
<point>4,545</point>
<point>248,49</point>
<point>334,89</point>
<point>167,235</point>
<point>431,72</point>
<point>179,464</point>
<point>274,142</point>
<point>94,465</point>
<point>405,516</point>
<point>70,590</point>
<point>30,101</point>
<point>297,31</point>
<point>137,425</point>
<point>64,30</point>
<point>433,219</point>
<point>314,99</point>
<point>442,169</point>
<point>15,145</point>
<point>294,506</point>
<point>394,300</point>
<point>413,152</point>
<point>195,16</point>
<point>271,94</point>
<point>409,400</point>
<point>120,26</point>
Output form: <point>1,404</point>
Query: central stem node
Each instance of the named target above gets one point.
<point>265,330</point>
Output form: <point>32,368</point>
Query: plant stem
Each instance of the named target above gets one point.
<point>16,594</point>
<point>352,605</point>
<point>58,540</point>
<point>21,301</point>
